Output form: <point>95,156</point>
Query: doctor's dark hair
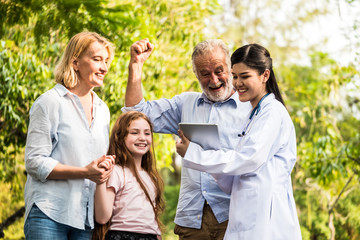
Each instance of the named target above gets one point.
<point>258,58</point>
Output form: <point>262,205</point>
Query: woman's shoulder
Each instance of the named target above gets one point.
<point>47,96</point>
<point>275,106</point>
<point>274,109</point>
<point>47,100</point>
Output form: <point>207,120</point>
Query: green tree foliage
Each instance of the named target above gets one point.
<point>327,170</point>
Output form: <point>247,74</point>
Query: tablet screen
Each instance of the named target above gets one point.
<point>204,134</point>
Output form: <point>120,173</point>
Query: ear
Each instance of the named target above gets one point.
<point>75,65</point>
<point>266,75</point>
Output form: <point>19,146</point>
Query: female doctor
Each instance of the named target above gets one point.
<point>257,173</point>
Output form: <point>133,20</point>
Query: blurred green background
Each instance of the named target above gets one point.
<point>321,90</point>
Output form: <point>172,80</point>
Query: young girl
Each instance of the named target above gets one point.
<point>130,202</point>
<point>258,173</point>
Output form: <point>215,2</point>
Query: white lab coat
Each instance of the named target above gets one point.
<point>257,175</point>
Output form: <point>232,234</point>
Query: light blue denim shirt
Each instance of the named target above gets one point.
<point>258,175</point>
<point>198,187</point>
<point>59,133</point>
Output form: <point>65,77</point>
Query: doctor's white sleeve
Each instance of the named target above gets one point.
<point>256,148</point>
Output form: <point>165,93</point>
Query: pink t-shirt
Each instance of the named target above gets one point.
<point>132,211</point>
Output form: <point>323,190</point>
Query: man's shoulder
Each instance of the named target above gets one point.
<point>189,97</point>
<point>190,94</point>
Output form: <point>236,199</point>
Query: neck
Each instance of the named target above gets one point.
<point>257,101</point>
<point>138,163</point>
<point>81,91</point>
<point>257,106</point>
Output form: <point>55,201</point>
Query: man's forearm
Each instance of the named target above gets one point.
<point>133,89</point>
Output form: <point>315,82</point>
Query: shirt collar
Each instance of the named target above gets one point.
<point>261,103</point>
<point>233,100</point>
<point>62,91</point>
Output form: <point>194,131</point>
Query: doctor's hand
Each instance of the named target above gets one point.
<point>140,51</point>
<point>182,144</point>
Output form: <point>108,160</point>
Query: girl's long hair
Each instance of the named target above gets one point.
<point>257,57</point>
<point>124,158</point>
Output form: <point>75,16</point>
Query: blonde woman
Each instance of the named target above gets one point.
<point>67,139</point>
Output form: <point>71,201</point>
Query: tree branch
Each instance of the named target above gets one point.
<point>342,191</point>
<point>10,220</point>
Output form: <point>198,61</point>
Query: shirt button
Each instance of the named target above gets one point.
<point>204,192</point>
<point>198,216</point>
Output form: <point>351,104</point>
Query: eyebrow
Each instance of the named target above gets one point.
<point>244,73</point>
<point>138,129</point>
<point>99,56</point>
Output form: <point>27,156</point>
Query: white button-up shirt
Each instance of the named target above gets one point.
<point>59,133</point>
<point>257,174</point>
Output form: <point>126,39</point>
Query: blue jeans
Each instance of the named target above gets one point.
<point>38,226</point>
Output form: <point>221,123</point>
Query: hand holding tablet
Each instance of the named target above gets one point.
<point>204,134</point>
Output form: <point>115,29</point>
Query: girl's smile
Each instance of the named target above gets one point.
<point>139,138</point>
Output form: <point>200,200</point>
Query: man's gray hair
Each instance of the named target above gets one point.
<point>209,46</point>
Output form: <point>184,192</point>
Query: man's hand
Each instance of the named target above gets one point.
<point>182,144</point>
<point>140,51</point>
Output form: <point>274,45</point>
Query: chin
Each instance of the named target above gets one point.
<point>243,99</point>
<point>218,96</point>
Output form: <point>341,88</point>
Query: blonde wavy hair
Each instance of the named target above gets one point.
<point>65,74</point>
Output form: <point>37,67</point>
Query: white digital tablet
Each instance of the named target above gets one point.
<point>204,134</point>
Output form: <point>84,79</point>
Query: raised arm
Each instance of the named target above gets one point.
<point>103,202</point>
<point>139,52</point>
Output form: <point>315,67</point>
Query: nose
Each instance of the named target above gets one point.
<point>236,82</point>
<point>104,66</point>
<point>141,136</point>
<point>213,79</point>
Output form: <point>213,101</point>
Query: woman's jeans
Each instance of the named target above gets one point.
<point>39,227</point>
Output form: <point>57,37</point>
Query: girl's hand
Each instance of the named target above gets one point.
<point>97,173</point>
<point>182,144</point>
<point>108,162</point>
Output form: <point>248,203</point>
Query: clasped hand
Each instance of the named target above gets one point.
<point>100,169</point>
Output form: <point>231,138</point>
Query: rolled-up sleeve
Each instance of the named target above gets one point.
<point>39,144</point>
